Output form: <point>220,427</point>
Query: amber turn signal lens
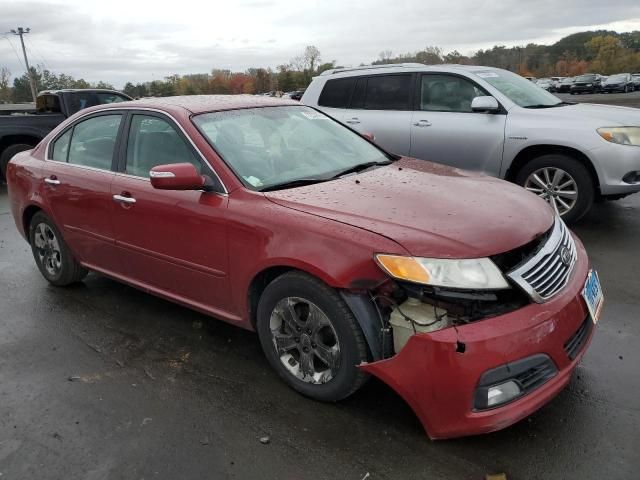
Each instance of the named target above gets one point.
<point>403,268</point>
<point>608,136</point>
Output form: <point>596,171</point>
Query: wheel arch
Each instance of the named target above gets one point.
<point>533,151</point>
<point>27,215</point>
<point>15,139</point>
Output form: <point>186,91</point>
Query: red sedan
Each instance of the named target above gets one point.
<point>462,292</point>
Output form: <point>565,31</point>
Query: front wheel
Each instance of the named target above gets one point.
<point>51,253</point>
<point>311,338</point>
<point>562,181</point>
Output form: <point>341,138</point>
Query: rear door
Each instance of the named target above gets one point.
<point>381,105</point>
<point>77,180</point>
<point>444,129</point>
<point>173,242</point>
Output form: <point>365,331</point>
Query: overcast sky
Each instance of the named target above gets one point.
<point>138,40</point>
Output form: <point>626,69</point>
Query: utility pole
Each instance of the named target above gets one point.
<point>20,32</point>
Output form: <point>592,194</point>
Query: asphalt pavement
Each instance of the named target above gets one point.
<point>102,381</point>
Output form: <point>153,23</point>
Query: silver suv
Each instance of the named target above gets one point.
<point>493,121</point>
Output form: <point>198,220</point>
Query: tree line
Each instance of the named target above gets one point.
<point>602,51</point>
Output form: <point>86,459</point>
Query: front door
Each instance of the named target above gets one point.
<point>77,178</point>
<point>173,242</point>
<point>444,129</point>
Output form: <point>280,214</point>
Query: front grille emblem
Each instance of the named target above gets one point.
<point>565,256</point>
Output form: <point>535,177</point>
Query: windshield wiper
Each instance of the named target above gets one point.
<point>300,182</point>
<point>544,105</point>
<point>360,167</point>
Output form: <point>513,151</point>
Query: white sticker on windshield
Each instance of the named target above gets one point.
<point>313,115</point>
<point>256,182</point>
<point>487,74</point>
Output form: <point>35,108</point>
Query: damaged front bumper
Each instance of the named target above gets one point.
<point>439,373</point>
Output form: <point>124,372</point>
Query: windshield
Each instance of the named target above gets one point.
<point>519,90</point>
<point>586,78</point>
<point>616,78</point>
<point>270,146</point>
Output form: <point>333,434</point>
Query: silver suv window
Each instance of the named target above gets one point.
<point>377,92</point>
<point>447,93</point>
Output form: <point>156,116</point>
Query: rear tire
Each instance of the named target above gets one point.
<point>301,314</point>
<point>8,154</point>
<point>569,170</point>
<point>52,255</point>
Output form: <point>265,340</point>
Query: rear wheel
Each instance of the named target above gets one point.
<point>562,181</point>
<point>8,154</point>
<point>51,253</point>
<point>311,338</point>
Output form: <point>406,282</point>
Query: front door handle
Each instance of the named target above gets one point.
<point>353,121</point>
<point>123,199</point>
<point>422,123</point>
<point>52,180</point>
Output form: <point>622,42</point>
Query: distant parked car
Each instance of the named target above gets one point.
<point>621,82</point>
<point>297,95</point>
<point>492,120</point>
<point>547,84</point>
<point>636,81</point>
<point>565,85</point>
<point>588,83</point>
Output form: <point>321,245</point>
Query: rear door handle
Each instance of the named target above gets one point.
<point>52,180</point>
<point>422,123</point>
<point>353,121</point>
<point>123,199</point>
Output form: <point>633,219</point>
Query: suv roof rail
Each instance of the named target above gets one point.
<point>371,67</point>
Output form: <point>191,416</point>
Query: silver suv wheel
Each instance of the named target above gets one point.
<point>554,185</point>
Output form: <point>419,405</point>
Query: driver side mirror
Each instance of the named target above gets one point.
<point>485,104</point>
<point>177,176</point>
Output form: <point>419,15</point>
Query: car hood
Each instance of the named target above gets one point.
<point>601,115</point>
<point>429,209</point>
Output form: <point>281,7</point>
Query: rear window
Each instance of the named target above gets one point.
<point>388,92</point>
<point>336,93</point>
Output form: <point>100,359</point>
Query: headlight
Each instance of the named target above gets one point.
<point>621,135</point>
<point>589,85</point>
<point>475,273</point>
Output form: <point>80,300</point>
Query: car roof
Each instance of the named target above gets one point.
<point>206,103</point>
<point>401,67</point>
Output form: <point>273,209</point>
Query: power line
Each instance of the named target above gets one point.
<point>14,50</point>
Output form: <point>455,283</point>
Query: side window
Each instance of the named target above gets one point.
<point>388,92</point>
<point>357,100</point>
<point>61,147</point>
<point>152,142</point>
<point>336,93</point>
<point>93,141</point>
<point>448,93</point>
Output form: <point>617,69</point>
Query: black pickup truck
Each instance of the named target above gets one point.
<point>22,131</point>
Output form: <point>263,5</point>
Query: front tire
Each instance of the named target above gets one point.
<point>311,338</point>
<point>51,253</point>
<point>562,181</point>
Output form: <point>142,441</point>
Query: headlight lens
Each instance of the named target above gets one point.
<point>474,273</point>
<point>621,135</point>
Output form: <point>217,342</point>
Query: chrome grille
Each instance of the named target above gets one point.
<point>548,270</point>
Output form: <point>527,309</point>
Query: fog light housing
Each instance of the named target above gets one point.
<point>632,177</point>
<point>503,393</point>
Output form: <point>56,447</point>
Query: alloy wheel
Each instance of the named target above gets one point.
<point>48,249</point>
<point>305,340</point>
<point>555,186</point>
